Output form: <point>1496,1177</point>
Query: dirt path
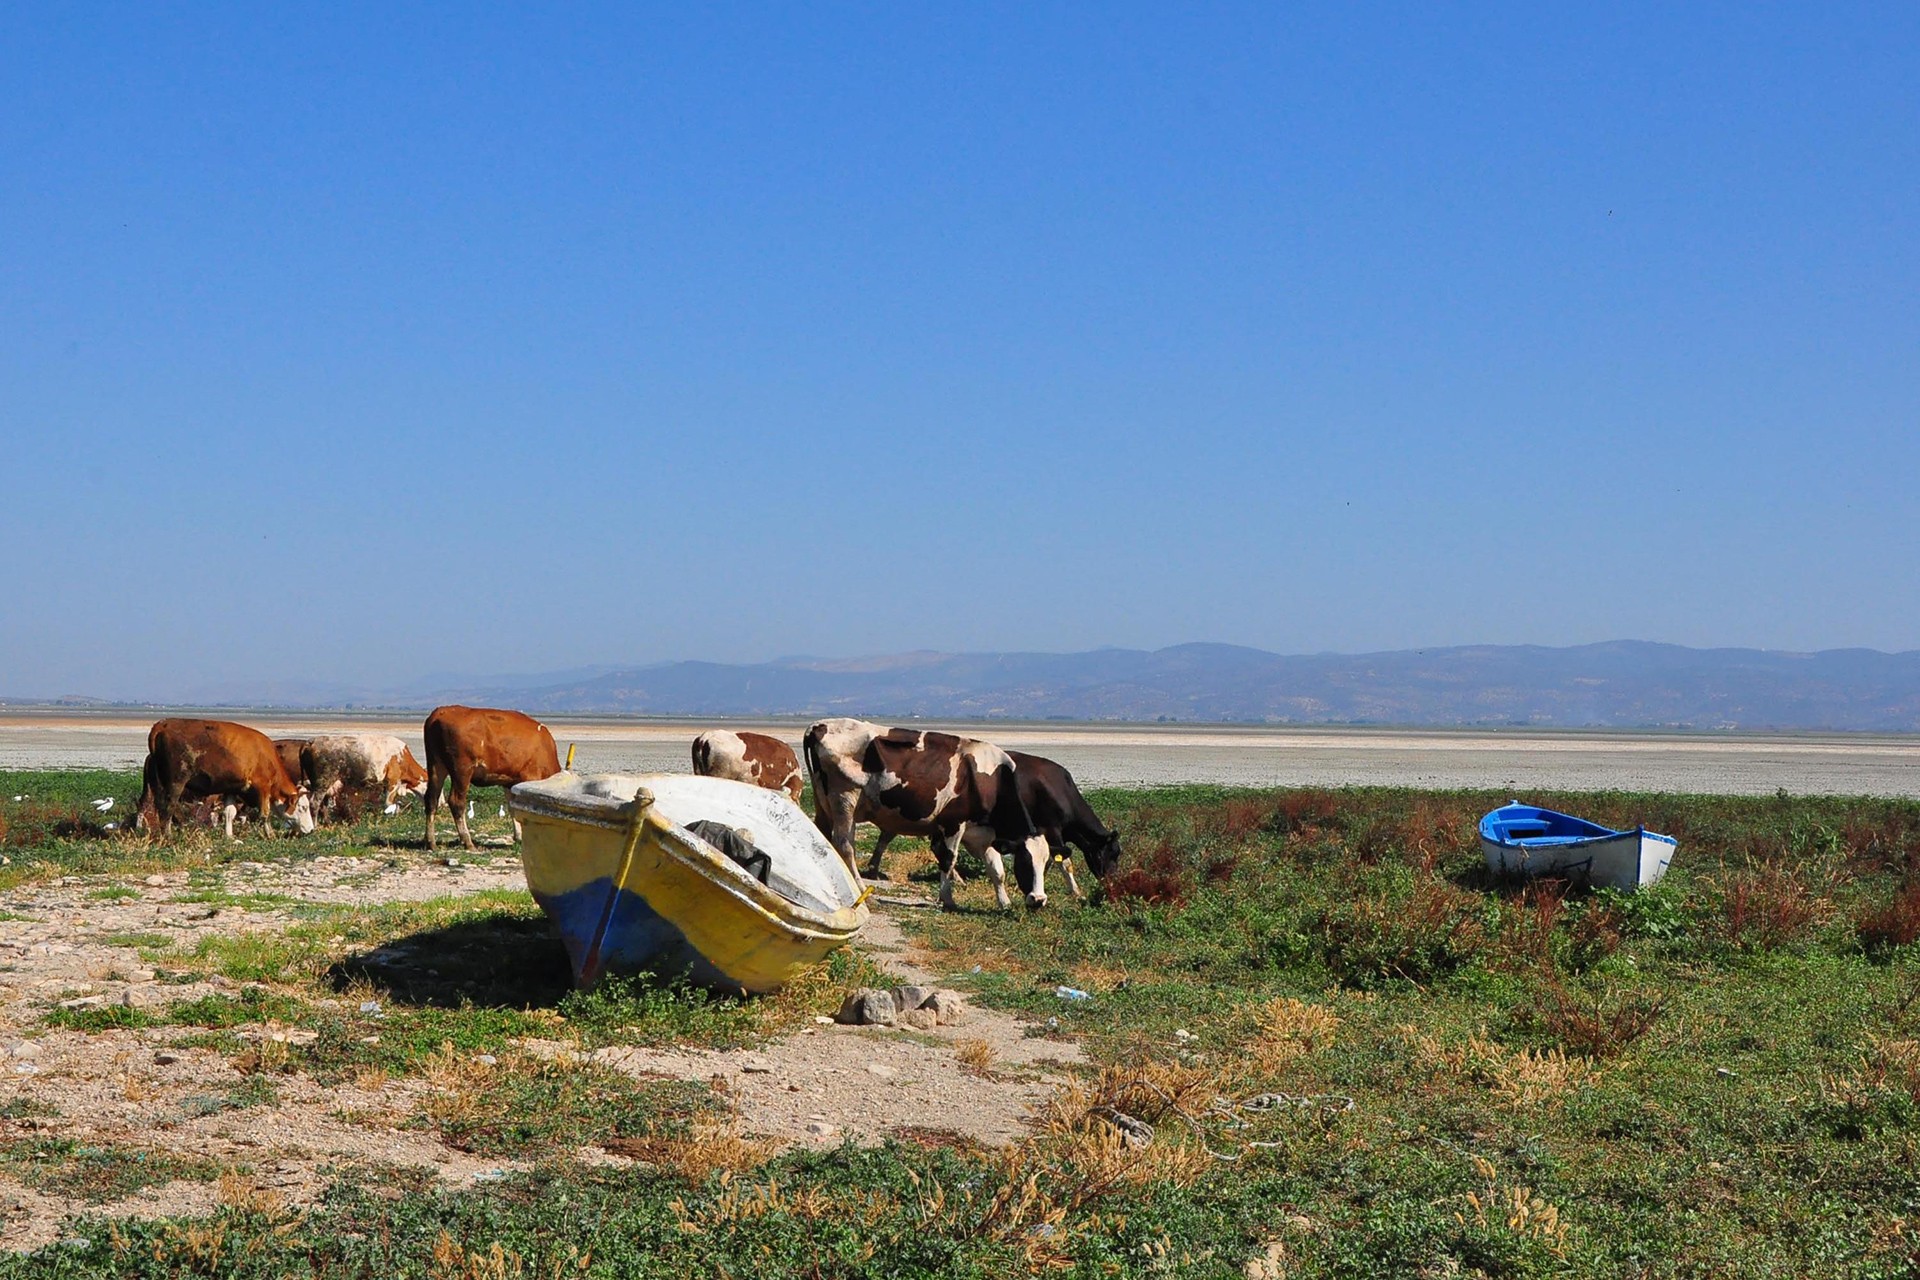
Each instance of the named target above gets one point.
<point>144,1091</point>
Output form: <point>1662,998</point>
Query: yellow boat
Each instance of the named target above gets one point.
<point>612,861</point>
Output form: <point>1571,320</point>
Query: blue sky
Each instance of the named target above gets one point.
<point>349,344</point>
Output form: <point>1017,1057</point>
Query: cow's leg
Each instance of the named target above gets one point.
<point>457,801</point>
<point>436,780</point>
<point>228,811</point>
<point>835,819</point>
<point>873,859</point>
<point>978,841</point>
<point>945,853</point>
<point>1062,853</point>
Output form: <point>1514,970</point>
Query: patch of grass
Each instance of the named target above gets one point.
<point>112,892</point>
<point>529,1107</point>
<point>97,1174</point>
<point>100,1017</point>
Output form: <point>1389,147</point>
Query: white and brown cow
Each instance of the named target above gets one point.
<point>748,757</point>
<point>1054,802</point>
<point>908,782</point>
<point>353,768</point>
<point>189,760</point>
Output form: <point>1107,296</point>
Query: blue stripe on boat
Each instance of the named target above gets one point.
<point>636,936</point>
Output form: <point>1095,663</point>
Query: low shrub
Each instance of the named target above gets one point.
<point>1418,936</point>
<point>1896,924</point>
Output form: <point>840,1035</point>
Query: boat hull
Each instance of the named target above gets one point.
<point>1625,860</point>
<point>628,888</point>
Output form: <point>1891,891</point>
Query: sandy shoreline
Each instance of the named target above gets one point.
<point>1152,755</point>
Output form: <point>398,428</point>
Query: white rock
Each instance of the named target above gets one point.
<point>885,1073</point>
<point>822,1129</point>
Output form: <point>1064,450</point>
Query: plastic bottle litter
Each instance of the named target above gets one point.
<point>1071,993</point>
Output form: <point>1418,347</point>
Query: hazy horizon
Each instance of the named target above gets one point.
<point>351,345</point>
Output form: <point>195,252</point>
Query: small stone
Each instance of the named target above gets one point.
<point>793,1088</point>
<point>369,1039</point>
<point>140,975</point>
<point>24,1049</point>
<point>83,1002</point>
<point>823,1019</point>
<point>155,882</point>
<point>486,1059</point>
<point>885,1073</point>
<point>910,997</point>
<point>756,1068</point>
<point>822,1129</point>
<point>947,1007</point>
<point>920,1019</point>
<point>165,1059</point>
<point>867,1007</point>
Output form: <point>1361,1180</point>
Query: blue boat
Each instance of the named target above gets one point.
<point>1524,839</point>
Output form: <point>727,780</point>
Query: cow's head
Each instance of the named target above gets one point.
<point>1105,856</point>
<point>1030,870</point>
<point>298,811</point>
<point>404,776</point>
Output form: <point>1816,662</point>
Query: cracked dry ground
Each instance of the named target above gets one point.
<point>101,1073</point>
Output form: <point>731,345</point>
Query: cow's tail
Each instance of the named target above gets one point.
<point>810,748</point>
<point>702,755</point>
<point>146,810</point>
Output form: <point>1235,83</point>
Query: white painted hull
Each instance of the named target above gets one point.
<point>1628,861</point>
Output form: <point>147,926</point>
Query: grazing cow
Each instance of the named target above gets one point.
<point>479,746</point>
<point>195,759</point>
<point>360,766</point>
<point>1054,802</point>
<point>748,757</point>
<point>955,791</point>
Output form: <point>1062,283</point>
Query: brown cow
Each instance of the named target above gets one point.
<point>192,759</point>
<point>479,746</point>
<point>359,767</point>
<point>289,750</point>
<point>748,757</point>
<point>954,790</point>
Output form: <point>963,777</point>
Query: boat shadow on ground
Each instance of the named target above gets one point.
<point>502,961</point>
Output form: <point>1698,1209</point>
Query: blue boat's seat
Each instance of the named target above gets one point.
<point>1537,841</point>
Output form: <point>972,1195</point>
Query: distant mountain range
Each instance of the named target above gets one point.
<point>1619,684</point>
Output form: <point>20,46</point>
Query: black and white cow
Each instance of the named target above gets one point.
<point>1062,814</point>
<point>908,782</point>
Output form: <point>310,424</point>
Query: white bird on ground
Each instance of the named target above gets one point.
<point>469,811</point>
<point>391,809</point>
<point>503,811</point>
<point>104,804</point>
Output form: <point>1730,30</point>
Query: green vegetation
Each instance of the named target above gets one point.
<point>1361,1058</point>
